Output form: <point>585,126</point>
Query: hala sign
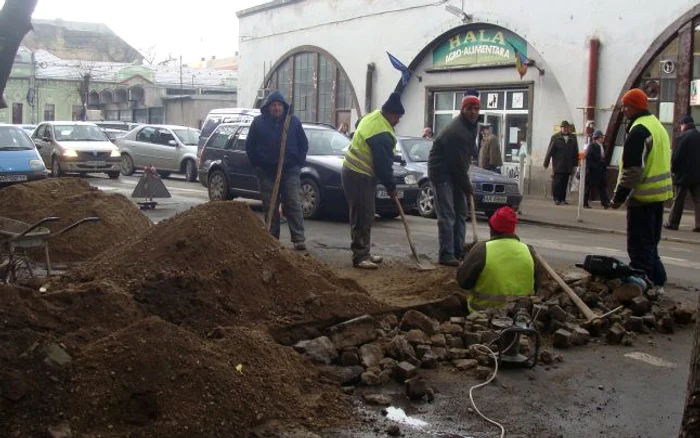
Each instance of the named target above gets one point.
<point>477,47</point>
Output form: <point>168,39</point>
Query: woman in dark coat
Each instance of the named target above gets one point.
<point>596,171</point>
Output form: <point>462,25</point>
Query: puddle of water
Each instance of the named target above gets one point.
<point>651,360</point>
<point>399,415</point>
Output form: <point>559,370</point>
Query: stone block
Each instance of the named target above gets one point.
<point>640,306</point>
<point>561,338</point>
<point>540,312</point>
<point>557,313</point>
<point>388,363</point>
<point>416,337</point>
<point>417,388</point>
<point>399,348</point>
<point>683,314</point>
<point>459,353</point>
<point>469,339</point>
<point>369,378</point>
<point>371,355</point>
<point>377,399</point>
<point>627,291</point>
<point>451,329</point>
<point>414,319</point>
<point>429,360</point>
<point>580,336</point>
<point>354,332</point>
<point>421,350</point>
<point>665,325</point>
<point>615,334</point>
<point>465,364</point>
<point>635,324</point>
<point>349,357</point>
<point>320,350</point>
<point>483,372</point>
<point>440,353</point>
<point>459,320</point>
<point>404,370</point>
<point>454,341</point>
<point>341,375</point>
<point>438,340</point>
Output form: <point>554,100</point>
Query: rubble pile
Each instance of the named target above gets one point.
<point>72,199</point>
<point>169,336</point>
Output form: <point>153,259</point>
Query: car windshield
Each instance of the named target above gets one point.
<point>326,142</point>
<point>417,149</point>
<point>189,137</point>
<point>14,139</point>
<point>79,133</point>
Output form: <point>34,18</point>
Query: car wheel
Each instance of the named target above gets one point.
<point>56,168</point>
<point>310,199</point>
<point>218,187</point>
<point>163,174</point>
<point>127,165</point>
<point>190,171</point>
<point>113,175</point>
<point>426,200</point>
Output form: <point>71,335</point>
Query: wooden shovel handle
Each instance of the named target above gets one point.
<point>280,166</point>
<point>587,312</point>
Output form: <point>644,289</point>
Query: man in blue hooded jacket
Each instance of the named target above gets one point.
<point>263,148</point>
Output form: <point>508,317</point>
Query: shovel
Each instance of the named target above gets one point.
<point>422,260</point>
<point>472,210</point>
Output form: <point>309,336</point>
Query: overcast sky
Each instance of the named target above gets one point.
<point>193,29</point>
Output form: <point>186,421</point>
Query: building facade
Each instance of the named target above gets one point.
<point>330,60</point>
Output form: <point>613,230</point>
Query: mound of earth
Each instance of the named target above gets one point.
<point>72,199</point>
<point>216,265</point>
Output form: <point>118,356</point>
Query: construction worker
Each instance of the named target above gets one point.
<point>644,183</point>
<point>370,158</point>
<point>500,268</point>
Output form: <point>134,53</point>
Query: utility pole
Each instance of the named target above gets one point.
<point>182,96</point>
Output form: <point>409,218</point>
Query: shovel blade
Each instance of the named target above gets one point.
<point>422,262</point>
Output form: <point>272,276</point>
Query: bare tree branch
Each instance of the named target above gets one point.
<point>15,22</point>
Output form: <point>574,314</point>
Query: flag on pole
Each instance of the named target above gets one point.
<point>521,61</point>
<point>398,65</point>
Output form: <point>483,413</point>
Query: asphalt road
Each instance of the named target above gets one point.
<point>599,390</point>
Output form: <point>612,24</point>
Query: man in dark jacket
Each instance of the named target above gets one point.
<point>370,158</point>
<point>263,148</point>
<point>596,173</point>
<point>685,167</point>
<point>563,153</point>
<point>448,167</point>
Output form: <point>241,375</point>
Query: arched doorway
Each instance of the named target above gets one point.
<point>316,84</point>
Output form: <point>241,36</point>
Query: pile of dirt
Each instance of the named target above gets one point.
<point>216,265</point>
<point>73,199</point>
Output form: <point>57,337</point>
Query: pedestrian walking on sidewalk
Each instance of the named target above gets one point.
<point>563,153</point>
<point>448,171</point>
<point>370,158</point>
<point>490,150</point>
<point>644,183</point>
<point>685,167</point>
<point>501,268</point>
<point>596,171</point>
<point>263,149</point>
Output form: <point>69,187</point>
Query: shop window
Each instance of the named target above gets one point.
<point>316,85</point>
<point>49,112</point>
<point>445,101</point>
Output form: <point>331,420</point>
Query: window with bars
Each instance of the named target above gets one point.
<point>325,89</point>
<point>304,86</point>
<point>49,112</point>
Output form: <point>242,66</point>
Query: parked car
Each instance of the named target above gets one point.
<point>29,129</point>
<point>170,148</point>
<point>76,147</point>
<point>114,134</point>
<point>19,159</point>
<point>491,190</point>
<point>227,173</point>
<point>224,115</point>
<point>117,124</point>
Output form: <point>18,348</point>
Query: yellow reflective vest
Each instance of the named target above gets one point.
<point>509,272</point>
<point>359,155</point>
<point>656,184</point>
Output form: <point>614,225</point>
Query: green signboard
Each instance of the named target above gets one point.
<point>477,47</point>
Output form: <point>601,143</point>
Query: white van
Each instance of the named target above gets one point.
<point>224,115</point>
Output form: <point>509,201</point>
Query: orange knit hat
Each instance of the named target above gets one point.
<point>636,98</point>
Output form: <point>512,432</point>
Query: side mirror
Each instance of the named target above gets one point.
<point>172,142</point>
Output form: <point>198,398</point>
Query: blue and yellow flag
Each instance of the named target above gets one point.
<point>521,61</point>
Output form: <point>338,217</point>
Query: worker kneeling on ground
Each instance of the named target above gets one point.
<point>501,269</point>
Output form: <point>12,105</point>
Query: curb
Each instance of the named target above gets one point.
<point>524,220</point>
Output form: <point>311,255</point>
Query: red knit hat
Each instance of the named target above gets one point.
<point>471,96</point>
<point>504,220</point>
<point>636,98</point>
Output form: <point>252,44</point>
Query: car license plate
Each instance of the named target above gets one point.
<point>382,194</point>
<point>96,163</point>
<point>13,178</point>
<point>492,199</point>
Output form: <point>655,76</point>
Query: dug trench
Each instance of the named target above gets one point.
<point>203,325</point>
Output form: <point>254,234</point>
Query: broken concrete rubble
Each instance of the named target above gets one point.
<point>354,332</point>
<point>320,350</point>
<point>417,320</point>
<point>370,355</point>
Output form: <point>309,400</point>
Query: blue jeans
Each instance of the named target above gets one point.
<point>643,235</point>
<point>451,210</point>
<point>290,194</point>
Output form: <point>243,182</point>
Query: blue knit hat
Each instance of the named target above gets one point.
<point>393,105</point>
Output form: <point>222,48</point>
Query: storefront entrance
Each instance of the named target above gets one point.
<point>505,110</point>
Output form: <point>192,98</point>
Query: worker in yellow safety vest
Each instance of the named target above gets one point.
<point>501,269</point>
<point>644,182</point>
<point>370,159</point>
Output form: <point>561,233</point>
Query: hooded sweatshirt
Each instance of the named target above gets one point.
<point>265,138</point>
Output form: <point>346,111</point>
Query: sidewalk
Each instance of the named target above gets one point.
<point>542,211</point>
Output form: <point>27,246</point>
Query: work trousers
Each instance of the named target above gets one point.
<point>560,185</point>
<point>290,194</point>
<point>674,219</point>
<point>451,210</point>
<point>644,224</point>
<point>360,191</point>
<point>602,187</point>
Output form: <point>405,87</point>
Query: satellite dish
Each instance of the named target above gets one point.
<point>459,12</point>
